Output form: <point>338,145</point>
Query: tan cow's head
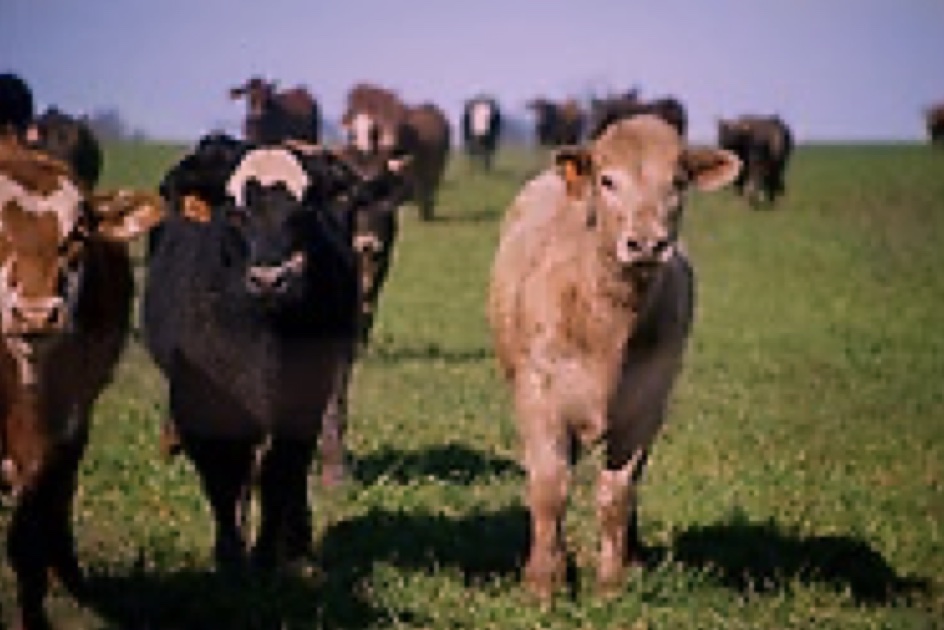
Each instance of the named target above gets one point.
<point>46,224</point>
<point>634,178</point>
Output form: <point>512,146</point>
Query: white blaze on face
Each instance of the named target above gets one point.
<point>360,129</point>
<point>65,202</point>
<point>269,167</point>
<point>481,117</point>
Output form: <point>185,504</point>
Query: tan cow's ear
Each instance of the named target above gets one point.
<point>573,165</point>
<point>710,169</point>
<point>123,215</point>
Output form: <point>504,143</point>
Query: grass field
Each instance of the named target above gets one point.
<point>799,482</point>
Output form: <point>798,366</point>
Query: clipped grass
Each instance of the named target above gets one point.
<point>799,482</point>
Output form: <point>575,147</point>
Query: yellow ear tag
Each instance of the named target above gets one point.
<point>196,209</point>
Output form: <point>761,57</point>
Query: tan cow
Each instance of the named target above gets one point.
<point>65,298</point>
<point>590,306</point>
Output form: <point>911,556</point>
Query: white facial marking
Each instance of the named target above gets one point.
<point>64,202</point>
<point>268,166</point>
<point>481,116</point>
<point>360,127</point>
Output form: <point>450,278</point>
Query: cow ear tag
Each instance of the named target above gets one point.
<point>573,166</point>
<point>196,209</point>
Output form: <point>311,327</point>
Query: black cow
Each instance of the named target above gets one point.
<point>934,118</point>
<point>16,107</point>
<point>371,217</point>
<point>481,129</point>
<point>251,313</point>
<point>272,116</point>
<point>764,144</point>
<point>606,111</point>
<point>557,124</point>
<point>70,140</point>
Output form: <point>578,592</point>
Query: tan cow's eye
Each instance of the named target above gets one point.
<point>607,182</point>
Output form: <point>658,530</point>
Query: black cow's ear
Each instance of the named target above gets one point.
<point>574,165</point>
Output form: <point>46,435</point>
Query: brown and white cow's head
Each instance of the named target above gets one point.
<point>634,178</point>
<point>46,224</point>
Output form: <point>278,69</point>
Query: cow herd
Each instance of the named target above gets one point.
<point>266,256</point>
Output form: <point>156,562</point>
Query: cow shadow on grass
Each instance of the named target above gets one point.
<point>191,599</point>
<point>479,546</point>
<point>765,557</point>
<point>455,463</point>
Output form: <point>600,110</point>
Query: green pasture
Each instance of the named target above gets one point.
<point>799,482</point>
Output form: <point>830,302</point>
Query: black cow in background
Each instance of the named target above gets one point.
<point>764,144</point>
<point>16,107</point>
<point>273,116</point>
<point>70,140</point>
<point>934,117</point>
<point>371,219</point>
<point>251,313</point>
<point>481,129</point>
<point>606,111</point>
<point>557,124</point>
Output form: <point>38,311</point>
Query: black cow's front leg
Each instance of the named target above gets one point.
<point>225,467</point>
<point>334,457</point>
<point>285,531</point>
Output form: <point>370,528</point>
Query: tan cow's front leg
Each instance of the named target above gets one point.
<point>546,459</point>
<point>616,496</point>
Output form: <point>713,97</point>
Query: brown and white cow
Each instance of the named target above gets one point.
<point>378,122</point>
<point>65,297</point>
<point>590,305</point>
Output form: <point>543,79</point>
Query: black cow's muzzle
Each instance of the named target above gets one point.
<point>274,281</point>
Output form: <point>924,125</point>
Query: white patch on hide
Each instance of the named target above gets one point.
<point>360,129</point>
<point>269,166</point>
<point>64,202</point>
<point>481,117</point>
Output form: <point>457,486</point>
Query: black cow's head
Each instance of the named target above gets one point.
<point>272,206</point>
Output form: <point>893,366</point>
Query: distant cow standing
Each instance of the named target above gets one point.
<point>377,120</point>
<point>16,107</point>
<point>481,130</point>
<point>764,145</point>
<point>557,124</point>
<point>935,122</point>
<point>590,305</point>
<point>65,298</point>
<point>70,140</point>
<point>371,217</point>
<point>272,116</point>
<point>251,313</point>
<point>604,112</point>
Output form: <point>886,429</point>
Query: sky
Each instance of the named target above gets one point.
<point>836,70</point>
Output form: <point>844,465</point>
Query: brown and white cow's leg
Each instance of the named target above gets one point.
<point>225,469</point>
<point>547,463</point>
<point>285,531</point>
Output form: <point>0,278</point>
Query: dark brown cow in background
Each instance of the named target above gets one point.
<point>16,107</point>
<point>65,301</point>
<point>764,145</point>
<point>935,121</point>
<point>272,116</point>
<point>379,123</point>
<point>606,111</point>
<point>557,124</point>
<point>70,140</point>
